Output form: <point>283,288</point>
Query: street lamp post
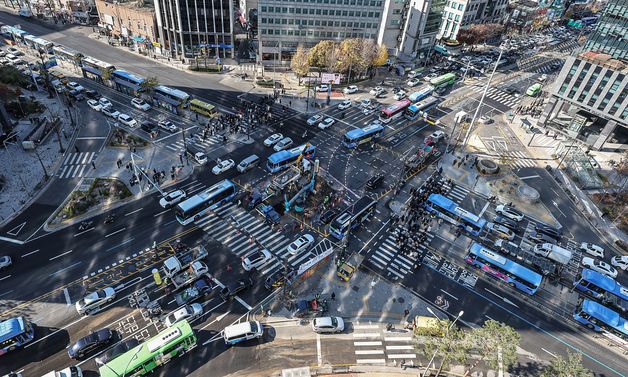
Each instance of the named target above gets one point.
<point>449,327</point>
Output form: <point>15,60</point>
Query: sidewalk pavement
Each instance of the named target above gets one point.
<point>23,168</point>
<point>579,197</point>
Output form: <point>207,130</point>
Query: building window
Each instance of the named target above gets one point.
<point>395,22</point>
<point>460,6</point>
<point>396,11</point>
<point>263,9</point>
<point>371,14</point>
<point>351,13</point>
<point>362,25</point>
<point>317,23</point>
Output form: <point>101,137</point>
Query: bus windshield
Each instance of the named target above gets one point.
<point>283,159</point>
<point>15,333</point>
<point>504,269</point>
<point>394,110</point>
<point>353,138</point>
<point>449,211</point>
<point>193,208</point>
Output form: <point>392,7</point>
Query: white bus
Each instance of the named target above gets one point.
<point>193,208</point>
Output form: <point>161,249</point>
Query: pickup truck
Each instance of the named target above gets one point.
<point>201,287</point>
<point>269,214</point>
<point>176,264</point>
<point>187,276</point>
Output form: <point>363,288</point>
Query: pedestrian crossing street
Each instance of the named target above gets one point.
<point>239,243</point>
<point>497,95</point>
<point>375,345</point>
<point>178,146</point>
<point>388,257</point>
<point>76,165</point>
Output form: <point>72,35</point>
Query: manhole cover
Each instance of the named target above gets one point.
<point>401,300</point>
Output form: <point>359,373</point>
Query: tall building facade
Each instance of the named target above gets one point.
<point>611,31</point>
<point>590,101</point>
<point>460,13</point>
<point>418,35</point>
<point>132,22</point>
<point>189,28</point>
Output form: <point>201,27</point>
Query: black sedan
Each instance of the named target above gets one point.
<point>329,215</point>
<point>90,343</point>
<point>234,288</point>
<point>506,222</point>
<point>203,285</point>
<point>116,351</point>
<point>549,231</point>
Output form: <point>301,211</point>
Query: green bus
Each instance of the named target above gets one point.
<point>202,108</point>
<point>168,344</point>
<point>444,80</point>
<point>534,90</point>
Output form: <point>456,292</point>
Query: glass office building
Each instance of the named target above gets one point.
<point>609,36</point>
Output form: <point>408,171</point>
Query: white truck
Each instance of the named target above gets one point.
<point>188,275</point>
<point>183,269</point>
<point>554,252</point>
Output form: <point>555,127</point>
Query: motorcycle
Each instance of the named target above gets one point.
<point>85,225</point>
<point>110,219</point>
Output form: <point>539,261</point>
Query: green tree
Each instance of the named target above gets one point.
<point>12,76</point>
<point>348,55</point>
<point>569,367</point>
<point>497,345</point>
<point>321,54</point>
<point>299,63</point>
<point>149,84</point>
<point>106,74</point>
<point>452,346</point>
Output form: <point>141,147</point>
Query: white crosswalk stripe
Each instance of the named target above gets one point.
<point>497,95</point>
<point>178,145</point>
<point>388,257</point>
<point>376,347</point>
<point>76,165</point>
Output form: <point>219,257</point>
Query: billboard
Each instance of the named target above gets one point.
<point>331,78</point>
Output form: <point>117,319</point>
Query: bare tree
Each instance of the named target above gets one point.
<point>299,63</point>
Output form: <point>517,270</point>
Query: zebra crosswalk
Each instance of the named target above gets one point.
<point>455,192</point>
<point>389,259</point>
<point>256,232</point>
<point>497,95</point>
<point>515,159</point>
<point>374,345</point>
<point>76,165</point>
<point>179,146</point>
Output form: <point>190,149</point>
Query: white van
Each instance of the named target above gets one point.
<point>242,332</point>
<point>248,163</point>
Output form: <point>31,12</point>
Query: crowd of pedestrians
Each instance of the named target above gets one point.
<point>535,109</point>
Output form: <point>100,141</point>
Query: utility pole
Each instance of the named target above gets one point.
<point>46,176</point>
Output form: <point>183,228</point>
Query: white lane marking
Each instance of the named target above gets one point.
<point>5,277</point>
<point>370,361</point>
<point>403,356</point>
<point>369,352</point>
<point>60,255</point>
<point>92,138</point>
<point>530,177</point>
<point>360,327</point>
<point>449,294</point>
<point>319,356</point>
<point>399,347</point>
<point>67,296</point>
<point>489,317</point>
<point>67,268</point>
<point>161,213</point>
<point>132,212</point>
<point>484,209</point>
<point>357,344</point>
<point>12,240</point>
<point>5,293</point>
<point>553,355</point>
<point>85,231</point>
<point>32,252</point>
<point>117,231</point>
<point>123,243</point>
<point>247,306</point>
<point>398,338</point>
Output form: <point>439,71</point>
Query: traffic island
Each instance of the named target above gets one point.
<point>93,194</point>
<point>121,138</point>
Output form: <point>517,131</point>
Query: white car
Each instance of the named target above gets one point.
<point>430,76</point>
<point>300,244</point>
<point>200,157</point>
<point>327,325</point>
<point>272,139</point>
<point>13,59</point>
<point>501,231</point>
<point>75,86</point>
<point>256,259</point>
<point>222,166</point>
<point>595,250</point>
<point>140,104</point>
<point>376,91</point>
<point>172,198</point>
<point>127,120</point>
<point>620,262</point>
<point>188,312</point>
<point>509,212</point>
<point>437,136</point>
<point>543,77</point>
<point>366,102</point>
<point>400,95</point>
<point>414,82</point>
<point>168,126</point>
<point>322,88</point>
<point>599,266</point>
<point>93,301</point>
<point>486,119</point>
<point>15,51</point>
<point>110,112</point>
<point>350,89</point>
<point>105,102</point>
<point>328,122</point>
<point>314,119</point>
<point>344,104</point>
<point>95,105</point>
<point>5,262</point>
<point>283,144</point>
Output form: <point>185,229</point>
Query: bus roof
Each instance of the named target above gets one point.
<point>421,93</point>
<point>397,105</point>
<point>536,86</point>
<point>444,78</point>
<point>129,76</point>
<point>289,153</point>
<point>135,357</point>
<point>602,281</point>
<point>173,92</point>
<point>506,263</point>
<point>601,312</point>
<point>202,104</point>
<point>371,128</point>
<point>10,328</point>
<point>204,195</point>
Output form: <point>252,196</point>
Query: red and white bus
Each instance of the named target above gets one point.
<point>394,110</point>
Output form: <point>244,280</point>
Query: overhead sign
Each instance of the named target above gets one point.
<point>331,78</point>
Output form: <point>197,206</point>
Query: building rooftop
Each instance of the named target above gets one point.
<point>604,60</point>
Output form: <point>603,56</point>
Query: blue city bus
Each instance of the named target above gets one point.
<point>352,217</point>
<point>449,211</point>
<point>599,318</point>
<point>126,82</point>
<point>15,333</point>
<point>503,269</point>
<point>283,159</point>
<point>421,93</point>
<point>419,108</point>
<point>603,289</point>
<point>170,98</point>
<point>193,208</point>
<point>359,136</point>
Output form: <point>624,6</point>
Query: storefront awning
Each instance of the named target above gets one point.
<point>139,39</point>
